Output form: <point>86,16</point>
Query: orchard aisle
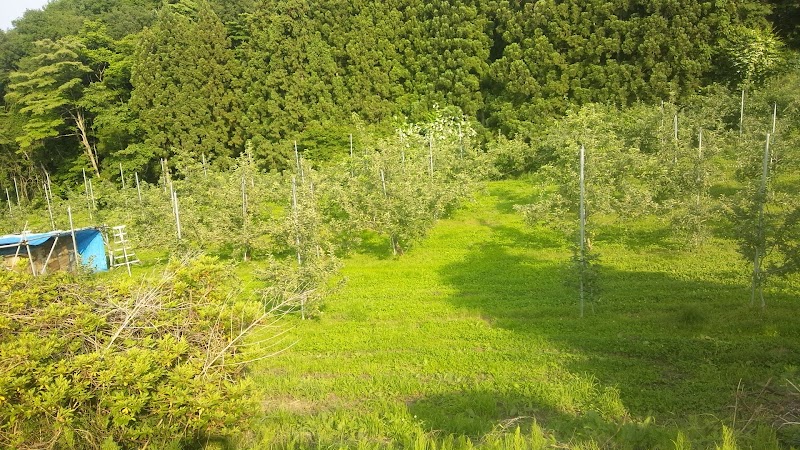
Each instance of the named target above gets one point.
<point>429,342</point>
<point>475,332</point>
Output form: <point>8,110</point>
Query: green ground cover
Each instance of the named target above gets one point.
<point>474,333</point>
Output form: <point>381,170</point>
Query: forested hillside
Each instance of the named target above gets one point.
<point>403,224</point>
<point>89,85</point>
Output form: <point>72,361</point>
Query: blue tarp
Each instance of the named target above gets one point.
<point>91,246</point>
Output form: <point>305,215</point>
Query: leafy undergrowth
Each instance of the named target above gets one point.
<point>473,338</point>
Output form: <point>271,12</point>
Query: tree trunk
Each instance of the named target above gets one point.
<point>80,122</point>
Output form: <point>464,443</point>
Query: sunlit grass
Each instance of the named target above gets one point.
<point>474,333</point>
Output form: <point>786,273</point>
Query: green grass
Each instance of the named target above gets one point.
<point>475,333</point>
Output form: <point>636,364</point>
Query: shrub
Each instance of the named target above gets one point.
<point>91,364</point>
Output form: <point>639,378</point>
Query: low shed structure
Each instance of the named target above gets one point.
<point>55,250</point>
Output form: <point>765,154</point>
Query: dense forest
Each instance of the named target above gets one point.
<point>89,85</point>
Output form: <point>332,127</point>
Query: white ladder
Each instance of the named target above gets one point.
<point>121,252</point>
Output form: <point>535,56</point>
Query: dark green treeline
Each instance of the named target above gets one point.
<point>91,85</point>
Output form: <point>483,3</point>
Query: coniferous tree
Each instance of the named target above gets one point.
<point>46,91</point>
<point>183,79</point>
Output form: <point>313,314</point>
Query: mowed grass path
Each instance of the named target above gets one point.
<point>475,332</point>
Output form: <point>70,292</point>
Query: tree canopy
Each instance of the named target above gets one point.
<point>136,80</point>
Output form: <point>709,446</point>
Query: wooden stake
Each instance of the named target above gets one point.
<point>122,175</point>
<point>8,198</point>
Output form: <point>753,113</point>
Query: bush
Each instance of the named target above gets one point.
<point>93,364</point>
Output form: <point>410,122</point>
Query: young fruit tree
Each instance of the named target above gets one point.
<point>407,181</point>
<point>590,174</point>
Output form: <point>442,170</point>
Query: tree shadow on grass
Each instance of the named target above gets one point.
<point>478,413</point>
<point>672,347</point>
<point>372,244</point>
<point>510,198</point>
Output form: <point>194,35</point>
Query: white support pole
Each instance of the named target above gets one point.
<point>164,173</point>
<point>74,239</point>
<point>741,115</point>
<point>30,256</point>
<point>138,188</point>
<point>205,170</point>
<point>296,221</point>
<point>16,190</point>
<point>177,212</point>
<point>774,116</point>
<point>757,287</point>
<point>383,182</point>
<point>352,168</point>
<point>460,141</point>
<point>49,186</point>
<point>49,255</point>
<point>49,208</point>
<point>8,198</point>
<point>297,242</point>
<point>122,175</point>
<point>700,144</point>
<point>430,154</point>
<point>91,195</point>
<point>675,127</point>
<point>582,220</point>
<point>244,199</point>
<point>299,164</point>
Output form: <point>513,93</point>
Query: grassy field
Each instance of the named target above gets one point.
<point>474,335</point>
